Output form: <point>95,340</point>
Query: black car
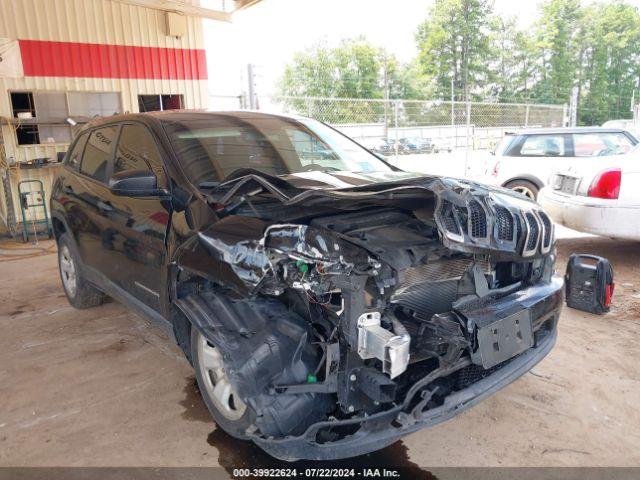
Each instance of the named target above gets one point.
<point>416,145</point>
<point>329,303</point>
<point>378,145</point>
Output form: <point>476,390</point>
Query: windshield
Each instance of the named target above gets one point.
<point>210,147</point>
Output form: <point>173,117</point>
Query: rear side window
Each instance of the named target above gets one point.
<point>601,144</point>
<point>95,161</point>
<point>544,146</point>
<point>75,155</point>
<point>137,150</point>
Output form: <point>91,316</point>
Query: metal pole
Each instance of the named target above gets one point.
<point>250,79</point>
<point>395,122</point>
<point>466,153</point>
<point>453,117</point>
<point>573,108</point>
<point>526,116</point>
<point>386,99</point>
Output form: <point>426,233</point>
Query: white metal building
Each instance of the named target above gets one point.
<point>63,62</point>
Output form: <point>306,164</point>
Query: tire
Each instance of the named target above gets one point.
<point>80,293</point>
<point>525,187</point>
<point>233,416</point>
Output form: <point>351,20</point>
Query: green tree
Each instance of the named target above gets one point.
<point>556,50</point>
<point>406,81</point>
<point>354,69</point>
<point>349,70</point>
<point>512,65</point>
<point>454,45</point>
<point>610,62</point>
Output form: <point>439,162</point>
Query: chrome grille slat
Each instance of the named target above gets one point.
<point>533,234</point>
<point>486,221</point>
<point>547,228</point>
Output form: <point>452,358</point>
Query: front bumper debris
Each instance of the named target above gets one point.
<point>544,302</point>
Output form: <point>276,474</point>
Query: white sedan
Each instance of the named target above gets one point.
<point>524,160</point>
<point>599,195</point>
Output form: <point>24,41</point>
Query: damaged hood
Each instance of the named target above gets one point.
<point>465,216</point>
<point>317,187</point>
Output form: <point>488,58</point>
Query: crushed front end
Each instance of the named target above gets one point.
<point>381,312</point>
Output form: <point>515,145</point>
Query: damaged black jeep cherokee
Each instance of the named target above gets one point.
<point>329,302</point>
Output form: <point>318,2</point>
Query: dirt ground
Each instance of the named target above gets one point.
<point>102,387</point>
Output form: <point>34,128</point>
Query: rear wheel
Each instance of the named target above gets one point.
<point>525,187</point>
<point>79,292</point>
<point>226,407</point>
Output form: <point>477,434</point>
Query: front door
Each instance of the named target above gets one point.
<point>139,224</point>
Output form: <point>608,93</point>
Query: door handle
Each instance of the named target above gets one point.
<point>104,206</point>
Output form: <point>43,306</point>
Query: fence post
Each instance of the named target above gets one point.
<point>386,117</point>
<point>454,131</point>
<point>396,109</point>
<point>466,152</point>
<point>526,116</point>
<point>573,108</point>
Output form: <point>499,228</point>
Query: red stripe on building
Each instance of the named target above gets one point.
<point>70,59</point>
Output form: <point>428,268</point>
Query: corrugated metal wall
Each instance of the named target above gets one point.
<point>91,21</point>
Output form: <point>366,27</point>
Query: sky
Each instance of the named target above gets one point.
<point>271,32</point>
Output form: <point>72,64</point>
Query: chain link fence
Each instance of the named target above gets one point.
<point>409,132</point>
<point>477,125</point>
<point>447,124</point>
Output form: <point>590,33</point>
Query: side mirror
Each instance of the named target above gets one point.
<point>135,183</point>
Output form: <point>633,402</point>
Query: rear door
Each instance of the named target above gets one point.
<point>138,225</point>
<point>93,226</point>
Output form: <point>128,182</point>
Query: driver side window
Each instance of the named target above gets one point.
<point>137,150</point>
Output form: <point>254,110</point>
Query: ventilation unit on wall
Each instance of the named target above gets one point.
<point>176,24</point>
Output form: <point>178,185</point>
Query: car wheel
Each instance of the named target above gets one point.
<point>79,292</point>
<point>226,407</point>
<point>526,188</point>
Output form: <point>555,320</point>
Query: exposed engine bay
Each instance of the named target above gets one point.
<point>369,311</point>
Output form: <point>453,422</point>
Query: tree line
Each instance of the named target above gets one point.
<point>467,52</point>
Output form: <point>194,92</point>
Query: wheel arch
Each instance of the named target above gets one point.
<point>526,177</point>
<point>59,225</point>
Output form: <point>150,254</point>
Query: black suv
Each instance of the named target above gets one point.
<point>329,303</point>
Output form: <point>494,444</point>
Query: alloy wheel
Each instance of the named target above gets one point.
<point>216,381</point>
<point>68,271</point>
<point>527,192</point>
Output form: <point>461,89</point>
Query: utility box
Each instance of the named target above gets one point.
<point>176,24</point>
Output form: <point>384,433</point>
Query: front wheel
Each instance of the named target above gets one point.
<point>226,407</point>
<point>525,187</point>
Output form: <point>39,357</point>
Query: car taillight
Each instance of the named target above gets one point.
<point>606,184</point>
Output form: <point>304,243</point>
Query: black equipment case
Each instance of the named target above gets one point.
<point>589,284</point>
